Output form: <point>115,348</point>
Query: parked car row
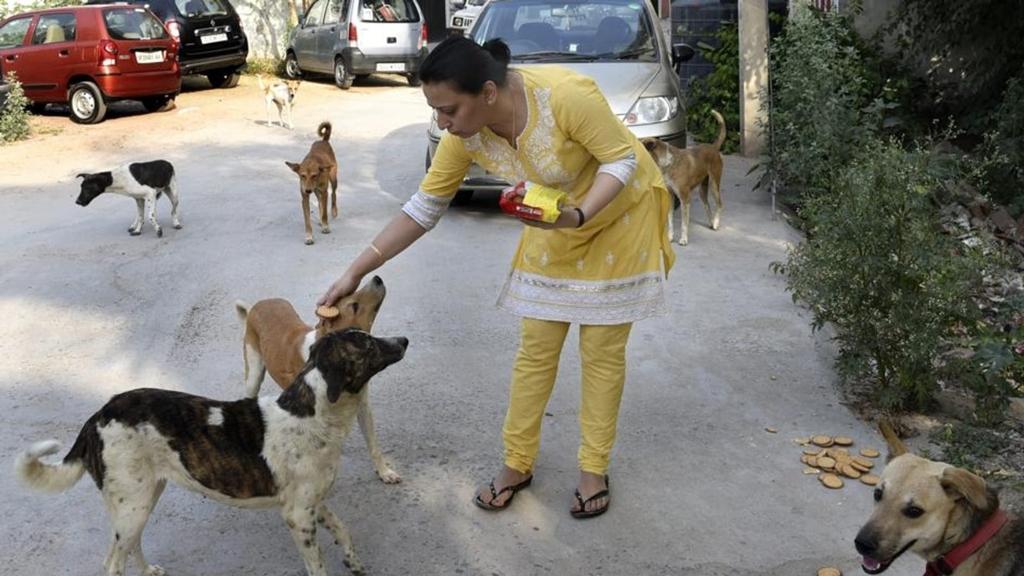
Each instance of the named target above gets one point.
<point>89,56</point>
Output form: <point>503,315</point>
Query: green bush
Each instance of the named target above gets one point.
<point>720,91</point>
<point>265,66</point>
<point>1002,162</point>
<point>820,103</point>
<point>13,114</point>
<point>878,268</point>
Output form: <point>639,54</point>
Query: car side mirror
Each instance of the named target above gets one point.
<point>682,53</point>
<point>302,21</point>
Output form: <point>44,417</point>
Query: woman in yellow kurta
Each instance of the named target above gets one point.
<point>601,264</point>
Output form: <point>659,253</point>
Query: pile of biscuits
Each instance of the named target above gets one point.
<point>327,312</point>
<point>830,459</point>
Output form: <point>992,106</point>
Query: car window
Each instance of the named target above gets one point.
<point>315,14</point>
<point>191,8</point>
<point>335,9</point>
<point>388,11</point>
<point>54,28</point>
<point>13,33</point>
<point>133,24</point>
<point>604,30</point>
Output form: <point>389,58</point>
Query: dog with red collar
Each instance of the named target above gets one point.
<point>946,515</point>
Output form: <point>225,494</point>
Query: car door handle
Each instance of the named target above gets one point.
<point>11,57</point>
<point>63,54</point>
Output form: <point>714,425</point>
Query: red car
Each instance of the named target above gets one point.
<point>88,56</point>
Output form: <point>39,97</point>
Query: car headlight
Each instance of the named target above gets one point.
<point>456,22</point>
<point>652,110</point>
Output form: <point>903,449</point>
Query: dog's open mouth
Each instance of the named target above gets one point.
<point>873,566</point>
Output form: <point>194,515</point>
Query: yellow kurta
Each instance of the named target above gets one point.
<point>609,271</point>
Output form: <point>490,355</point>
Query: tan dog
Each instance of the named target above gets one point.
<point>318,169</point>
<point>944,514</point>
<point>684,169</point>
<point>276,340</point>
<point>280,93</point>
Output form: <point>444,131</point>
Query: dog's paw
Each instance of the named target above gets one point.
<point>177,226</point>
<point>325,230</point>
<point>683,241</point>
<point>352,562</point>
<point>154,570</point>
<point>388,476</point>
<point>135,231</point>
<point>309,241</point>
<point>159,232</point>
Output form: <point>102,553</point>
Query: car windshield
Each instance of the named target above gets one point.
<point>549,31</point>
<point>133,24</point>
<point>191,8</point>
<point>476,2</point>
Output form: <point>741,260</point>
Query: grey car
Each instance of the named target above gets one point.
<point>616,42</point>
<point>350,39</point>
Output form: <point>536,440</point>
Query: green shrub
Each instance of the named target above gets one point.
<point>1002,156</point>
<point>820,97</point>
<point>878,268</point>
<point>719,91</point>
<point>13,114</point>
<point>265,66</point>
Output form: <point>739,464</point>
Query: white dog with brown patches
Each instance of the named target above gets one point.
<point>254,453</point>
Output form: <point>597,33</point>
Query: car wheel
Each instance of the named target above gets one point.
<point>228,79</point>
<point>86,103</point>
<point>291,66</point>
<point>342,78</point>
<point>413,79</point>
<point>155,103</point>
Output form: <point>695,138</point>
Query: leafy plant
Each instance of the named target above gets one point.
<point>13,114</point>
<point>878,268</point>
<point>717,91</point>
<point>10,7</point>
<point>264,66</point>
<point>1001,167</point>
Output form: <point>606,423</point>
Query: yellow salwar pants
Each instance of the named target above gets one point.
<point>603,363</point>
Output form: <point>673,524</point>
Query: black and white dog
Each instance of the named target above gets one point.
<point>255,453</point>
<point>143,181</point>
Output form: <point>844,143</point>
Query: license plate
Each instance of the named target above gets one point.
<point>149,57</point>
<point>211,38</point>
<point>391,67</point>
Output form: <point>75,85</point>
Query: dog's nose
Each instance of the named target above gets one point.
<point>866,544</point>
<point>403,342</point>
<point>377,281</point>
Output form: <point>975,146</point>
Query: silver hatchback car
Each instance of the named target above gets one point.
<point>615,42</point>
<point>351,39</point>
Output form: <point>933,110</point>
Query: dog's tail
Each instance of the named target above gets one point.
<point>34,473</point>
<point>259,78</point>
<point>892,439</point>
<point>242,309</point>
<point>324,130</point>
<point>721,129</point>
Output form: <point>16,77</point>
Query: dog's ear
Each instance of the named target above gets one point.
<point>82,175</point>
<point>332,357</point>
<point>961,484</point>
<point>896,446</point>
<point>650,144</point>
<point>293,166</point>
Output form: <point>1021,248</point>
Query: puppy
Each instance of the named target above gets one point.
<point>684,169</point>
<point>143,181</point>
<point>275,339</point>
<point>318,169</point>
<point>257,453</point>
<point>944,514</point>
<point>280,93</point>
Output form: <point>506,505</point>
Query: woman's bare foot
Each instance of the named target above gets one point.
<point>506,478</point>
<point>589,485</point>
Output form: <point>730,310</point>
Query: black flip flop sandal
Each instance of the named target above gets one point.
<point>496,493</point>
<point>583,513</point>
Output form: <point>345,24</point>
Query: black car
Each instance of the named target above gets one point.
<point>209,32</point>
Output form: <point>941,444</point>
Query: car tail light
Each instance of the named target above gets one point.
<point>108,53</point>
<point>353,36</point>
<point>174,29</point>
<point>423,37</point>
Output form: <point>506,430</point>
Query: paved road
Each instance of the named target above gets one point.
<point>699,486</point>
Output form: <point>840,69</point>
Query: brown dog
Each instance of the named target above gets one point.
<point>276,340</point>
<point>318,169</point>
<point>944,514</point>
<point>684,169</point>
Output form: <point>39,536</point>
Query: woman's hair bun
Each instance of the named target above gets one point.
<point>498,50</point>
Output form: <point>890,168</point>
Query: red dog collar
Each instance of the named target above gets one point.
<point>947,563</point>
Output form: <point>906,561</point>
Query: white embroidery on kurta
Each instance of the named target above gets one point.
<point>544,259</point>
<point>625,219</point>
<point>610,258</point>
<point>579,264</point>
